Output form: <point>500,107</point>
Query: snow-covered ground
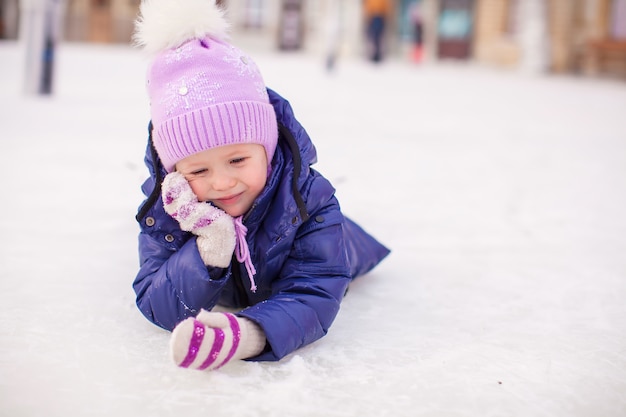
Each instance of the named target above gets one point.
<point>501,195</point>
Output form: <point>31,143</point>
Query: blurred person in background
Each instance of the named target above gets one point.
<point>234,215</point>
<point>418,32</point>
<point>334,32</point>
<point>377,14</point>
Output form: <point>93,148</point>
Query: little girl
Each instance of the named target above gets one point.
<point>234,214</point>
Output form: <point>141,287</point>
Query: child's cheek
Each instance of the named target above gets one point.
<point>197,188</point>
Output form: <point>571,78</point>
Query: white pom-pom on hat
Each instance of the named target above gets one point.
<point>165,24</point>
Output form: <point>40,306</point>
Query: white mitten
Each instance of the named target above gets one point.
<point>214,227</point>
<point>211,340</point>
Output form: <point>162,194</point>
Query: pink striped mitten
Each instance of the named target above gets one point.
<point>211,340</point>
<point>214,227</point>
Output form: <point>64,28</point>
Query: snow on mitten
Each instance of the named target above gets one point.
<point>214,227</point>
<point>211,340</point>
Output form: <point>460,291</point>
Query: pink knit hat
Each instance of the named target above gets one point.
<point>204,92</point>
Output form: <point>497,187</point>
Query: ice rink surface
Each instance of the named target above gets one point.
<point>501,195</point>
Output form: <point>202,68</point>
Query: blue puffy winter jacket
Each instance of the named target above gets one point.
<point>304,250</point>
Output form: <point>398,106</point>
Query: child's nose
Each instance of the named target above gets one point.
<point>223,182</point>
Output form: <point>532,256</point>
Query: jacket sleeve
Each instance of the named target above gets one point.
<point>306,296</point>
<point>172,283</point>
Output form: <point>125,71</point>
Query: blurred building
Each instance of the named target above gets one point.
<point>561,36</point>
<point>9,17</point>
<point>580,36</point>
<point>103,21</point>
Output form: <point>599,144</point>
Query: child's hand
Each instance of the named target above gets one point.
<point>211,340</point>
<point>214,227</point>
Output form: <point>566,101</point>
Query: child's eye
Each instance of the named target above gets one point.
<point>198,172</point>
<point>237,160</point>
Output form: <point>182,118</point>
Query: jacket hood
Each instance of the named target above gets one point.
<point>286,118</point>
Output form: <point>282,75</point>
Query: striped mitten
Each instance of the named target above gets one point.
<point>211,340</point>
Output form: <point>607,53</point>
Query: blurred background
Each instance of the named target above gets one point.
<point>582,37</point>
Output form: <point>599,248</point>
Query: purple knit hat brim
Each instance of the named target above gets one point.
<point>221,124</point>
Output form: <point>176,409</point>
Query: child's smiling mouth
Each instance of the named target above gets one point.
<point>229,200</point>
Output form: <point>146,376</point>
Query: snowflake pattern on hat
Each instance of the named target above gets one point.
<point>246,67</point>
<point>178,54</point>
<point>262,90</point>
<point>241,62</point>
<point>187,91</point>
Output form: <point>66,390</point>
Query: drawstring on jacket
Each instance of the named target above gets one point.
<point>242,251</point>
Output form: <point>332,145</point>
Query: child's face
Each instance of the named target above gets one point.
<point>230,176</point>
